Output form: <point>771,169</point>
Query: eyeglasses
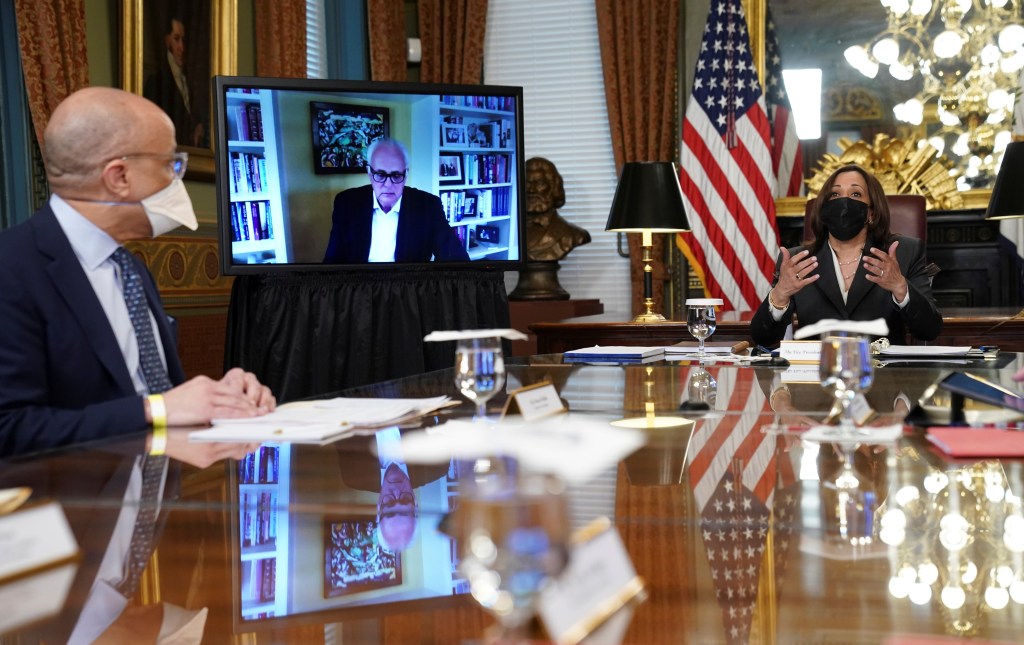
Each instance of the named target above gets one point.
<point>177,162</point>
<point>396,177</point>
<point>390,501</point>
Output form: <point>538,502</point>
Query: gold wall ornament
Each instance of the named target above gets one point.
<point>845,102</point>
<point>900,165</point>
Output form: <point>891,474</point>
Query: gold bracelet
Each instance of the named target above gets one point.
<point>772,304</point>
<point>158,412</point>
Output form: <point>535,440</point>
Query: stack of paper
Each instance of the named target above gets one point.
<point>614,354</point>
<point>573,446</point>
<point>321,421</point>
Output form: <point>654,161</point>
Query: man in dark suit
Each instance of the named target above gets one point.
<point>77,360</point>
<point>387,222</point>
<point>169,88</point>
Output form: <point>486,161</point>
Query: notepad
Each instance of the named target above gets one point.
<point>978,442</point>
<point>320,422</point>
<point>614,353</point>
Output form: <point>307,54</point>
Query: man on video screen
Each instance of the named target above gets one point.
<point>387,222</point>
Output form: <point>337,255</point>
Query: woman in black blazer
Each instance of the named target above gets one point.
<point>853,269</point>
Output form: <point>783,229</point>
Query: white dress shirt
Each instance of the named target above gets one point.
<point>93,248</point>
<point>384,232</point>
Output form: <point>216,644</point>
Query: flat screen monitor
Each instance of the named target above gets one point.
<point>294,190</point>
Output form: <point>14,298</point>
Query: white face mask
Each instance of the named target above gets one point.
<point>169,208</point>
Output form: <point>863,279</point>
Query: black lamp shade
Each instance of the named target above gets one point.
<point>1008,193</point>
<point>648,198</point>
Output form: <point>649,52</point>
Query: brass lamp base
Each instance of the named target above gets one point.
<point>649,317</point>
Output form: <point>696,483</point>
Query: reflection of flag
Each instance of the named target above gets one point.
<point>726,167</point>
<point>733,471</point>
<point>787,157</point>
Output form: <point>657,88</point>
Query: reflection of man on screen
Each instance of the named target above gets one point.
<point>390,477</point>
<point>388,222</point>
<point>169,88</point>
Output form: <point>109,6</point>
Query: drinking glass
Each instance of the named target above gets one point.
<point>702,386</point>
<point>847,370</point>
<point>700,321</point>
<point>512,540</point>
<point>479,370</point>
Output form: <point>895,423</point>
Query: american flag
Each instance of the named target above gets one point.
<point>733,470</point>
<point>787,156</point>
<point>726,167</point>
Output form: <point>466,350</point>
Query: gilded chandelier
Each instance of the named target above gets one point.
<point>964,58</point>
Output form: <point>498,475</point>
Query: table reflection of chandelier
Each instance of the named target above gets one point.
<point>957,538</point>
<point>967,56</point>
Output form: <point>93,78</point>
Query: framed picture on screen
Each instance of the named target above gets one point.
<point>342,133</point>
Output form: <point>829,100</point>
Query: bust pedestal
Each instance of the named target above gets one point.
<point>539,281</point>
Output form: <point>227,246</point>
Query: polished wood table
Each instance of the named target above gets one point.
<point>741,531</point>
<point>978,326</point>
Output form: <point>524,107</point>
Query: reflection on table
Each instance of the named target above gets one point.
<point>742,532</point>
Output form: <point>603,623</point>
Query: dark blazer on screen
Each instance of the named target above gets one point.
<point>423,231</point>
<point>865,301</point>
<point>63,378</point>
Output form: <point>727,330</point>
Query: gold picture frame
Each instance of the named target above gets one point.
<point>211,35</point>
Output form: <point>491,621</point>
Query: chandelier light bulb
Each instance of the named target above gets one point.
<point>907,495</point>
<point>935,481</point>
<point>970,573</point>
<point>929,573</point>
<point>997,100</point>
<point>998,4</point>
<point>1013,63</point>
<point>899,7</point>
<point>886,51</point>
<point>947,44</point>
<point>1011,38</point>
<point>993,492</point>
<point>907,573</point>
<point>938,143</point>
<point>995,597</point>
<point>953,597</point>
<point>1003,576</point>
<point>1017,591</point>
<point>898,587</point>
<point>856,55</point>
<point>920,593</point>
<point>891,535</point>
<point>920,7</point>
<point>960,148</point>
<point>990,54</point>
<point>950,119</point>
<point>1002,139</point>
<point>897,519</point>
<point>901,72</point>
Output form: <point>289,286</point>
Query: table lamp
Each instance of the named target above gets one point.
<point>648,200</point>
<point>1008,192</point>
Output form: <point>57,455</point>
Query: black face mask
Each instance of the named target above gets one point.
<point>844,217</point>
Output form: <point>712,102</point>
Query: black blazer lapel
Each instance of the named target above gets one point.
<point>362,227</point>
<point>69,280</point>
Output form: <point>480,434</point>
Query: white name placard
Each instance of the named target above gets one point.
<point>800,351</point>
<point>599,581</point>
<point>33,538</point>
<point>535,402</point>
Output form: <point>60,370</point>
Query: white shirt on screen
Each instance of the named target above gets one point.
<point>384,232</point>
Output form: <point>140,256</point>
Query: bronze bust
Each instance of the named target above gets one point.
<point>549,238</point>
<point>548,235</point>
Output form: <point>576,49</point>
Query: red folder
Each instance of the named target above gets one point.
<point>978,442</point>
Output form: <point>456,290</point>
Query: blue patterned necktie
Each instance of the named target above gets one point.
<point>141,545</point>
<point>138,310</point>
<point>157,381</point>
